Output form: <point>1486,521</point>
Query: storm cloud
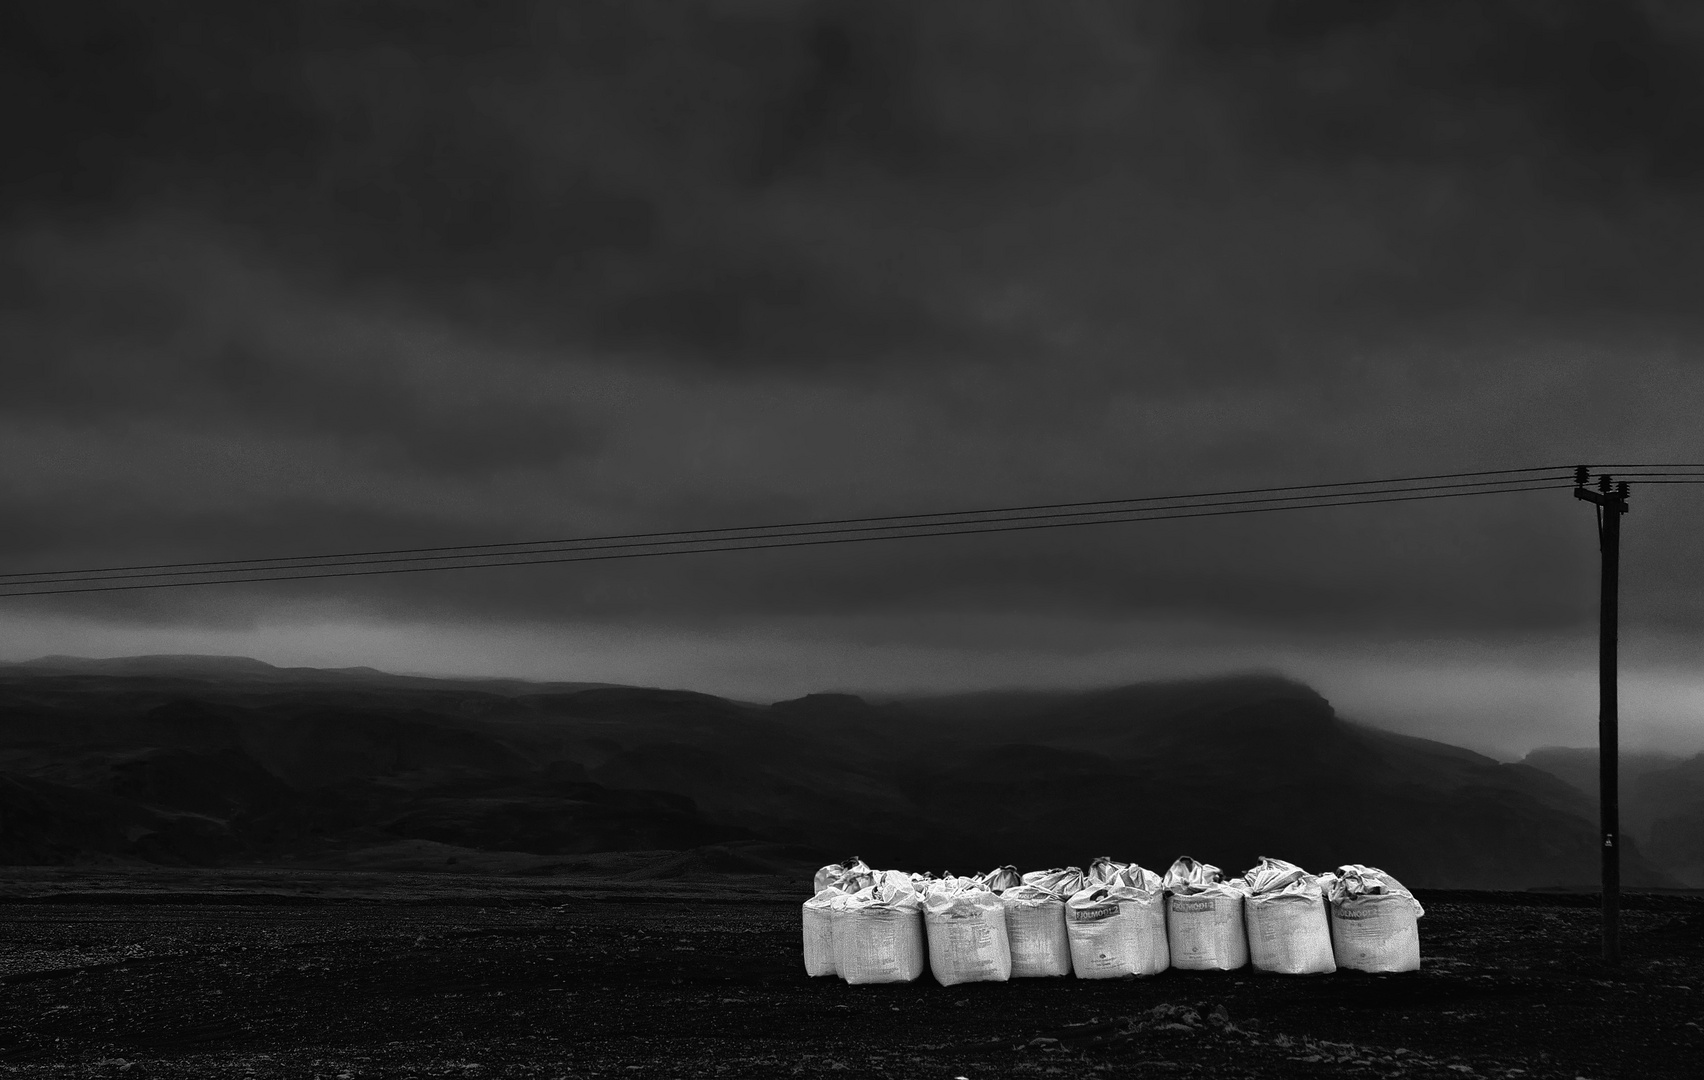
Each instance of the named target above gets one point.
<point>312,277</point>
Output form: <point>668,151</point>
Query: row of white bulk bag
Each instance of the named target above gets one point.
<point>1118,920</point>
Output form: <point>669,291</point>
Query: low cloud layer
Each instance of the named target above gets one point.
<point>319,278</point>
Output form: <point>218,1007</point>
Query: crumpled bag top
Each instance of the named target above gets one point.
<point>1030,896</point>
<point>1132,876</point>
<point>1002,878</point>
<point>850,876</point>
<point>1103,870</point>
<point>1060,881</point>
<point>1130,883</point>
<point>1275,877</point>
<point>968,897</point>
<point>1187,876</point>
<point>948,881</point>
<point>891,889</point>
<point>827,897</point>
<point>1353,881</point>
<point>1094,896</point>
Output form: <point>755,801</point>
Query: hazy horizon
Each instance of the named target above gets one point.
<point>1436,708</point>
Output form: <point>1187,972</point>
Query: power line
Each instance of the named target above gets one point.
<point>905,527</point>
<point>522,559</point>
<point>478,548</point>
<point>811,533</point>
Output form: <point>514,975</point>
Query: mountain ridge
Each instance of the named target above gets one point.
<point>226,767</point>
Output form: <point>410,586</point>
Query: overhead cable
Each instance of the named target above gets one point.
<point>724,544</point>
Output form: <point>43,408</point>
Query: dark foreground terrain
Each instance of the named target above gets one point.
<point>344,977</point>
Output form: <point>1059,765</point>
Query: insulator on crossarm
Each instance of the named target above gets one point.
<point>1581,473</point>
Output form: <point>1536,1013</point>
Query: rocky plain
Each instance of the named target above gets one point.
<point>342,975</point>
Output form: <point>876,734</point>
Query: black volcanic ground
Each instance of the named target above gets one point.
<point>165,973</point>
<point>219,762</point>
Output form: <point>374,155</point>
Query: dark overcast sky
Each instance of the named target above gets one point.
<point>308,277</point>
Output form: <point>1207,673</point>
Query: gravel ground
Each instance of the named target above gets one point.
<point>614,985</point>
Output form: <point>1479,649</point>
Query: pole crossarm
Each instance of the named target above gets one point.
<point>1616,500</point>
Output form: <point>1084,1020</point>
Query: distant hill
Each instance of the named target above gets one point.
<point>1662,801</point>
<point>209,760</point>
<point>225,669</point>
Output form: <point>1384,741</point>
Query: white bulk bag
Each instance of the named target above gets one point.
<point>966,926</point>
<point>1288,930</point>
<point>1035,929</point>
<point>1119,929</point>
<point>820,947</point>
<point>1204,918</point>
<point>879,932</point>
<point>1002,878</point>
<point>1374,921</point>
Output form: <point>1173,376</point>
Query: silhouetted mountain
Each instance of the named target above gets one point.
<point>209,762</point>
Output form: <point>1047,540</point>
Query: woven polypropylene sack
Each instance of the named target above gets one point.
<point>879,932</point>
<point>881,945</point>
<point>1374,921</point>
<point>1116,931</point>
<point>1289,934</point>
<point>820,948</point>
<point>1002,878</point>
<point>1288,930</point>
<point>966,927</point>
<point>1204,918</point>
<point>1376,933</point>
<point>1205,929</point>
<point>1035,928</point>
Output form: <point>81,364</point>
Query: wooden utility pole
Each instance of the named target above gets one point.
<point>1611,501</point>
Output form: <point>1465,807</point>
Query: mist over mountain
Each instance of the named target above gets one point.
<point>1662,801</point>
<point>220,760</point>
